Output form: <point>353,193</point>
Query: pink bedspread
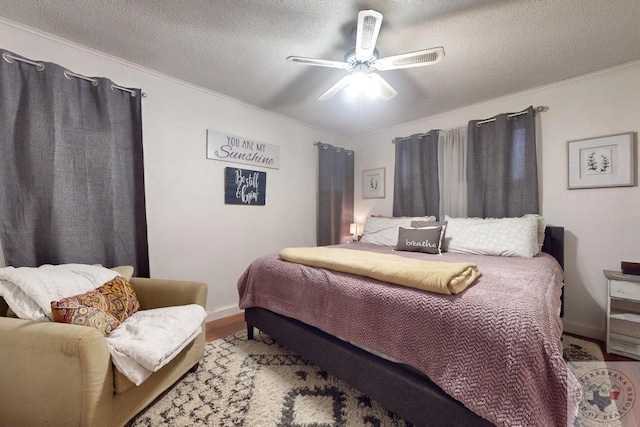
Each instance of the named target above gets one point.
<point>494,347</point>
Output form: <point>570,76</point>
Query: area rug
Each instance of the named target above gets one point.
<point>579,350</point>
<point>260,383</point>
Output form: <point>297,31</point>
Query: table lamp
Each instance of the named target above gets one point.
<point>353,229</point>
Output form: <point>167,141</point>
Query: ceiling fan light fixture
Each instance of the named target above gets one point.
<point>362,60</point>
<point>361,84</point>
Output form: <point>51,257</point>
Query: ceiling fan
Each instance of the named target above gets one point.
<point>363,60</point>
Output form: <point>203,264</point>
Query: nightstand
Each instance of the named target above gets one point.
<point>623,314</point>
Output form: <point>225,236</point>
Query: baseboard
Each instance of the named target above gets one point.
<point>582,330</point>
<point>222,312</point>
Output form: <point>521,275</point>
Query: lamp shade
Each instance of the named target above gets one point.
<point>353,228</point>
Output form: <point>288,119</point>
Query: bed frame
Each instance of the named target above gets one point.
<point>397,387</point>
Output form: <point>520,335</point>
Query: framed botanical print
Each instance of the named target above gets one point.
<point>373,183</point>
<point>606,161</point>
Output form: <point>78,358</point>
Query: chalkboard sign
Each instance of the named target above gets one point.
<point>244,187</point>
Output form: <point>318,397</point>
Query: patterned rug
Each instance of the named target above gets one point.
<point>259,383</point>
<point>579,350</point>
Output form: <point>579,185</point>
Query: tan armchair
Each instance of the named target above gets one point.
<point>59,374</point>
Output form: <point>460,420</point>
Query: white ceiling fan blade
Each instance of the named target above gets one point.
<point>320,62</point>
<point>411,59</point>
<point>369,22</point>
<point>386,92</point>
<point>342,83</point>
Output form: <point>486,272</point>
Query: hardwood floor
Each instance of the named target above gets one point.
<point>224,327</point>
<point>230,325</point>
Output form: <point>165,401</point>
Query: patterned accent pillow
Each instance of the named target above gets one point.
<point>510,237</point>
<point>104,308</point>
<point>384,231</point>
<point>426,239</point>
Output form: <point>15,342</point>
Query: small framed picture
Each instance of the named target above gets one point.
<point>606,161</point>
<point>373,184</point>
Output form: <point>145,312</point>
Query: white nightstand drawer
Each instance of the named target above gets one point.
<point>628,290</point>
<point>624,346</point>
<point>625,326</point>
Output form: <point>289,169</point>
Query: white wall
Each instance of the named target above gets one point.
<point>602,226</point>
<point>193,235</point>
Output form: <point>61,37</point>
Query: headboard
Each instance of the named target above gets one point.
<point>554,246</point>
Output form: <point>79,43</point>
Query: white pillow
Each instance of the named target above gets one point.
<point>383,230</point>
<point>29,291</point>
<point>541,228</point>
<point>509,237</point>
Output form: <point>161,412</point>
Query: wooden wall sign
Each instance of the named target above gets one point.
<point>244,187</point>
<point>237,149</point>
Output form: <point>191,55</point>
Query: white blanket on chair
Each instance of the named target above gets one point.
<point>141,345</point>
<point>29,291</point>
<point>150,339</point>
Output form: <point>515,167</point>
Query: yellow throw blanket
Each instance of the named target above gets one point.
<point>441,277</point>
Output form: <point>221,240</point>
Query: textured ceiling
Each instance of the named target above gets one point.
<point>238,48</point>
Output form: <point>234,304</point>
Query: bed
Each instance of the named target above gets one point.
<point>406,363</point>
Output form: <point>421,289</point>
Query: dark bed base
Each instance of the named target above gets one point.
<point>398,388</point>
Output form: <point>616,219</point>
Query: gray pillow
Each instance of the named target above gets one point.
<point>422,224</point>
<point>444,241</point>
<point>425,240</point>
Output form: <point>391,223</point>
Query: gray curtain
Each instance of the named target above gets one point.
<point>501,166</point>
<point>71,170</point>
<point>416,190</point>
<point>335,194</point>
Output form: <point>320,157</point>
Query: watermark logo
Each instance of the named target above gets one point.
<point>603,395</point>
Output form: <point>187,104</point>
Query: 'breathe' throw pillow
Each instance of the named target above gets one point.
<point>425,240</point>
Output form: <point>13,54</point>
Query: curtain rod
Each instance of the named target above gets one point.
<point>419,135</point>
<point>439,131</point>
<point>338,149</point>
<point>68,74</point>
<point>493,119</point>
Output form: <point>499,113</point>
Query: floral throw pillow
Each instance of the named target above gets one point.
<point>104,308</point>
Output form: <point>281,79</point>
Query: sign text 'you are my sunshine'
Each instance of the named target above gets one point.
<point>236,149</point>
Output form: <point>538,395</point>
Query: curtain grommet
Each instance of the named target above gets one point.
<point>12,59</point>
<point>115,87</point>
<point>68,74</point>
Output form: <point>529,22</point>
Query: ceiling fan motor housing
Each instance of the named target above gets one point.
<point>350,57</point>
